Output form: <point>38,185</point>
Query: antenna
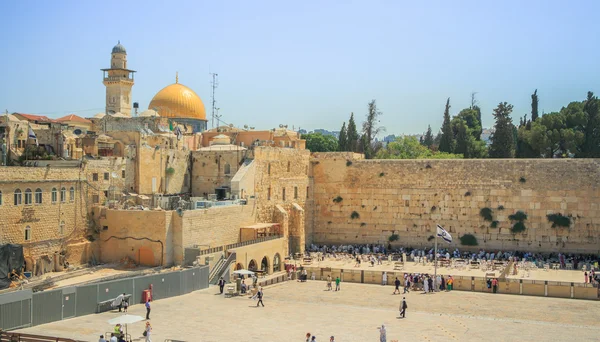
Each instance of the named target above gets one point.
<point>215,84</point>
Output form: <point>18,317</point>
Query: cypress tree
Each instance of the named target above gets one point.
<point>534,106</point>
<point>591,143</point>
<point>503,140</point>
<point>462,139</point>
<point>447,141</point>
<point>351,135</point>
<point>428,139</point>
<point>343,139</point>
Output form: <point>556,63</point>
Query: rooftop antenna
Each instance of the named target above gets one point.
<point>215,84</point>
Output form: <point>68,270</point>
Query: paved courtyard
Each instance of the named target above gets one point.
<point>353,314</point>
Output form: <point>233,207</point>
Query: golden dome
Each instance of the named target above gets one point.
<point>178,101</point>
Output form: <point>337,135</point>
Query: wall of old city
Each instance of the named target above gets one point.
<point>107,178</point>
<point>281,179</point>
<point>409,197</point>
<point>153,174</point>
<point>214,169</point>
<point>51,225</point>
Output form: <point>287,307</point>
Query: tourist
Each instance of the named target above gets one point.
<point>148,332</point>
<point>332,339</point>
<point>382,333</point>
<point>397,285</point>
<point>489,284</point>
<point>307,337</point>
<point>101,339</point>
<point>244,288</point>
<point>403,307</point>
<point>337,283</point>
<point>113,338</point>
<point>147,308</point>
<point>443,284</point>
<point>494,285</point>
<point>329,288</point>
<point>425,285</point>
<point>585,274</point>
<point>125,305</point>
<point>117,330</point>
<point>384,279</point>
<point>259,295</point>
<point>406,285</point>
<point>313,339</point>
<point>449,283</point>
<point>221,284</point>
<point>118,302</point>
<point>430,284</point>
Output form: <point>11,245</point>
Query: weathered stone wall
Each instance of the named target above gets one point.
<point>106,174</point>
<point>281,178</point>
<point>214,169</point>
<point>53,225</point>
<point>153,164</point>
<point>409,197</point>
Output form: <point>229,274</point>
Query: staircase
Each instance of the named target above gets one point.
<point>220,269</point>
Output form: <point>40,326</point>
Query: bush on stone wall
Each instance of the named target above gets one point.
<point>559,220</point>
<point>431,237</point>
<point>382,174</point>
<point>394,237</point>
<point>348,162</point>
<point>468,240</point>
<point>354,215</point>
<point>500,207</point>
<point>170,171</point>
<point>518,227</point>
<point>518,216</point>
<point>486,213</point>
<point>494,224</point>
<point>338,199</point>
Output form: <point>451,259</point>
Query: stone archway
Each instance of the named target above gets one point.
<point>252,265</point>
<point>239,266</point>
<point>276,263</point>
<point>264,265</point>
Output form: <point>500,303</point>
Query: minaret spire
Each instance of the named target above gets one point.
<point>176,76</point>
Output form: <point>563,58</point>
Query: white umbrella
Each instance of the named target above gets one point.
<point>125,319</point>
<point>243,272</point>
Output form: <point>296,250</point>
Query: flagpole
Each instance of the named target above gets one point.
<point>435,261</point>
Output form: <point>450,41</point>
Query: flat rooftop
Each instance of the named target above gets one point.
<point>292,309</point>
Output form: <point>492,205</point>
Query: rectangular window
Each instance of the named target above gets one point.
<point>289,164</point>
<point>95,177</point>
<point>295,192</point>
<point>283,194</point>
<point>106,175</point>
<point>105,193</point>
<point>27,233</point>
<point>306,192</point>
<point>28,197</point>
<point>95,199</point>
<point>105,228</point>
<point>268,194</point>
<point>38,197</point>
<point>123,174</point>
<point>54,196</point>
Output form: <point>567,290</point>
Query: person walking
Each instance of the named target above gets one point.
<point>384,279</point>
<point>125,305</point>
<point>406,285</point>
<point>397,284</point>
<point>337,283</point>
<point>259,295</point>
<point>403,307</point>
<point>148,332</point>
<point>221,284</point>
<point>494,285</point>
<point>382,333</point>
<point>147,309</point>
<point>329,287</point>
<point>307,337</point>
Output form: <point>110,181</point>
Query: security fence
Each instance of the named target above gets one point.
<point>24,308</point>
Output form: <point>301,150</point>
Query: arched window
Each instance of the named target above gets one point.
<point>54,195</point>
<point>63,194</point>
<point>27,233</point>
<point>61,228</point>
<point>38,196</point>
<point>28,196</point>
<point>18,197</point>
<point>227,169</point>
<point>72,194</point>
<point>277,263</point>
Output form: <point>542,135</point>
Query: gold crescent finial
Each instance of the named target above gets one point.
<point>176,77</point>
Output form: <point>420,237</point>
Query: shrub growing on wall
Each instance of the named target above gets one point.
<point>468,240</point>
<point>494,224</point>
<point>431,237</point>
<point>486,213</point>
<point>559,220</point>
<point>518,216</point>
<point>519,226</point>
<point>338,199</point>
<point>170,171</point>
<point>354,215</point>
<point>394,237</point>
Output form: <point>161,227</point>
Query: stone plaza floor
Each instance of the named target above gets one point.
<point>292,309</point>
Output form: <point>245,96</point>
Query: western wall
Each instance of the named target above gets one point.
<point>366,201</point>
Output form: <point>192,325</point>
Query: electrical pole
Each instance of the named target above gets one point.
<point>5,143</point>
<point>215,84</point>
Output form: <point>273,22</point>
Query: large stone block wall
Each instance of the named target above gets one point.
<point>409,197</point>
<point>210,167</point>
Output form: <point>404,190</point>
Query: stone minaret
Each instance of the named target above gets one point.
<point>118,81</point>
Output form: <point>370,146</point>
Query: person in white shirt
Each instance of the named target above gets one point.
<point>101,339</point>
<point>113,338</point>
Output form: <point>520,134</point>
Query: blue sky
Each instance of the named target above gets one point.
<point>305,64</point>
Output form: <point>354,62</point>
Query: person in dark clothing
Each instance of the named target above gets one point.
<point>397,284</point>
<point>147,309</point>
<point>259,295</point>
<point>221,284</point>
<point>403,307</point>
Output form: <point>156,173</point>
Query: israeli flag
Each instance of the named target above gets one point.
<point>441,232</point>
<point>32,136</point>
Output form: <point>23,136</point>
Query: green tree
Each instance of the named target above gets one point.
<point>534,106</point>
<point>371,129</point>
<point>343,139</point>
<point>447,141</point>
<point>317,142</point>
<point>591,145</point>
<point>407,147</point>
<point>503,140</point>
<point>428,138</point>
<point>466,129</point>
<point>351,135</point>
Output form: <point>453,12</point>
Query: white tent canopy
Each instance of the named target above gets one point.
<point>243,272</point>
<point>125,319</point>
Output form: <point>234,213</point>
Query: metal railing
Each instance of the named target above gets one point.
<point>222,268</point>
<point>238,244</point>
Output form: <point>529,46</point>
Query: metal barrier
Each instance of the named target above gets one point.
<point>25,309</point>
<point>14,337</point>
<point>238,244</point>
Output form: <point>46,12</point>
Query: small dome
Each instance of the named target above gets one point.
<point>149,112</point>
<point>221,139</point>
<point>119,48</point>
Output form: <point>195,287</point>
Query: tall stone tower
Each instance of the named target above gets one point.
<point>118,81</point>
